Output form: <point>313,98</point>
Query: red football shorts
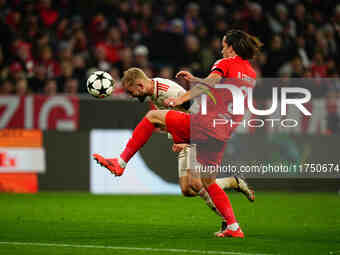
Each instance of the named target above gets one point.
<point>209,151</point>
<point>178,125</point>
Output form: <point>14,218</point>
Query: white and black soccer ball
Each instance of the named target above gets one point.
<point>100,84</point>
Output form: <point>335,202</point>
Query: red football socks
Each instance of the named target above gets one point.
<point>140,136</point>
<point>222,203</point>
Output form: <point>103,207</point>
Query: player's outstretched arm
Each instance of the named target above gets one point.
<point>201,87</point>
<point>210,80</point>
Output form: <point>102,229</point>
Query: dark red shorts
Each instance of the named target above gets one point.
<point>209,152</point>
<point>178,125</point>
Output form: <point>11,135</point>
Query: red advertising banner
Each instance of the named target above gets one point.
<point>27,141</point>
<point>39,112</point>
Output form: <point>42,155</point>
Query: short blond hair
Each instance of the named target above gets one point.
<point>131,75</point>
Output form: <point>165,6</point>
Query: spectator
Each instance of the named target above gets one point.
<point>277,56</point>
<point>31,27</point>
<point>65,75</point>
<point>293,68</point>
<point>79,42</point>
<point>170,10</point>
<point>65,51</point>
<point>21,87</point>
<point>126,60</point>
<point>25,58</point>
<point>42,40</point>
<point>141,54</point>
<point>191,18</point>
<point>301,51</point>
<point>318,67</point>
<point>18,43</point>
<point>13,20</point>
<point>192,54</point>
<point>211,53</point>
<point>16,71</point>
<point>79,71</point>
<point>47,60</point>
<point>6,87</point>
<point>257,22</point>
<point>299,18</point>
<point>309,35</point>
<point>321,44</point>
<point>37,82</point>
<point>50,88</point>
<point>71,86</point>
<point>328,33</point>
<point>99,58</point>
<point>48,15</point>
<point>281,21</point>
<point>98,27</point>
<point>112,45</point>
<point>177,26</point>
<point>62,30</point>
<point>220,27</point>
<point>167,72</point>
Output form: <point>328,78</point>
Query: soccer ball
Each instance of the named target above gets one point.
<point>100,84</point>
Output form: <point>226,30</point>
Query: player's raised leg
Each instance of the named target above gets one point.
<point>140,136</point>
<point>210,153</point>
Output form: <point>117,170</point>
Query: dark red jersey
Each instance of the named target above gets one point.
<point>237,72</point>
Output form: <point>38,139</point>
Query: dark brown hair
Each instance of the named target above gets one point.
<point>244,44</point>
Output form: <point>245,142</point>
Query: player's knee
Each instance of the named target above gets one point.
<point>151,115</point>
<point>196,186</point>
<point>155,116</point>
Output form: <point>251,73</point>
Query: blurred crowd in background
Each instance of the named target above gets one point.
<point>51,47</point>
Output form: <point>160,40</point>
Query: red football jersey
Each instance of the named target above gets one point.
<point>234,71</point>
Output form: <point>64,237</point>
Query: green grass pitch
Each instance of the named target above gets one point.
<point>84,224</point>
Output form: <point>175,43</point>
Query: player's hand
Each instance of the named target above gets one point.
<point>185,75</point>
<point>172,101</point>
<point>178,147</point>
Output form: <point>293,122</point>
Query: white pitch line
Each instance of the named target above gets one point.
<point>128,248</point>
